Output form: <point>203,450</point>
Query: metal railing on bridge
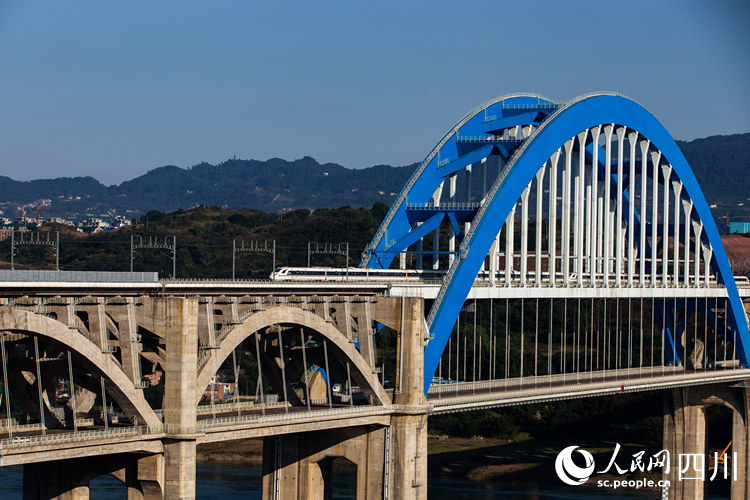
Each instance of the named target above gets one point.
<point>202,426</point>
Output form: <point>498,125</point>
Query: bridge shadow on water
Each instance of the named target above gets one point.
<point>217,481</point>
<point>222,481</point>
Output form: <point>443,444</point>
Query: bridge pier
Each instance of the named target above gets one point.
<point>685,432</point>
<point>409,426</point>
<point>69,479</point>
<point>300,465</point>
<point>59,480</point>
<point>180,318</point>
<point>391,461</point>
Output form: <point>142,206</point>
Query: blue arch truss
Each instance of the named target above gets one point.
<point>473,139</point>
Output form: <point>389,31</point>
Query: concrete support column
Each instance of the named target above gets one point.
<point>130,346</point>
<point>741,445</point>
<point>281,467</point>
<point>69,479</point>
<point>300,466</point>
<point>207,322</point>
<point>97,324</point>
<point>408,467</point>
<point>58,480</point>
<point>180,317</point>
<point>145,478</point>
<point>684,432</point>
<point>363,310</point>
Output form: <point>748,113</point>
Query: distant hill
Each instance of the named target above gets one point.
<point>721,164</point>
<point>272,186</point>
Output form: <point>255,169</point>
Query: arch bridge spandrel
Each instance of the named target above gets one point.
<point>88,357</point>
<point>293,318</point>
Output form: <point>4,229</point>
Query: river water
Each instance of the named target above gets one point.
<point>217,481</point>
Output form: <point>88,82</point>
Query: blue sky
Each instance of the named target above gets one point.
<point>114,89</point>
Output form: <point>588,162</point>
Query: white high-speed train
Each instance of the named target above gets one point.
<point>354,274</point>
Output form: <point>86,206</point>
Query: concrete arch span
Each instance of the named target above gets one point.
<point>120,388</point>
<point>285,315</point>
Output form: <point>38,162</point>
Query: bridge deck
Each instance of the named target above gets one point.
<point>31,446</point>
<point>482,290</point>
<point>396,288</point>
<point>467,396</point>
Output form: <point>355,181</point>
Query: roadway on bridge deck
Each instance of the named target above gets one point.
<point>467,396</point>
<point>482,290</point>
<point>30,445</point>
<point>241,423</point>
<point>206,415</point>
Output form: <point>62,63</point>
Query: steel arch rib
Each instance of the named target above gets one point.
<point>565,123</point>
<point>429,175</point>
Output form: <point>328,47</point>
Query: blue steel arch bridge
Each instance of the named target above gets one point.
<point>541,251</point>
<point>586,201</point>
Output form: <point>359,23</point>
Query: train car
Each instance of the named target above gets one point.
<point>354,274</point>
